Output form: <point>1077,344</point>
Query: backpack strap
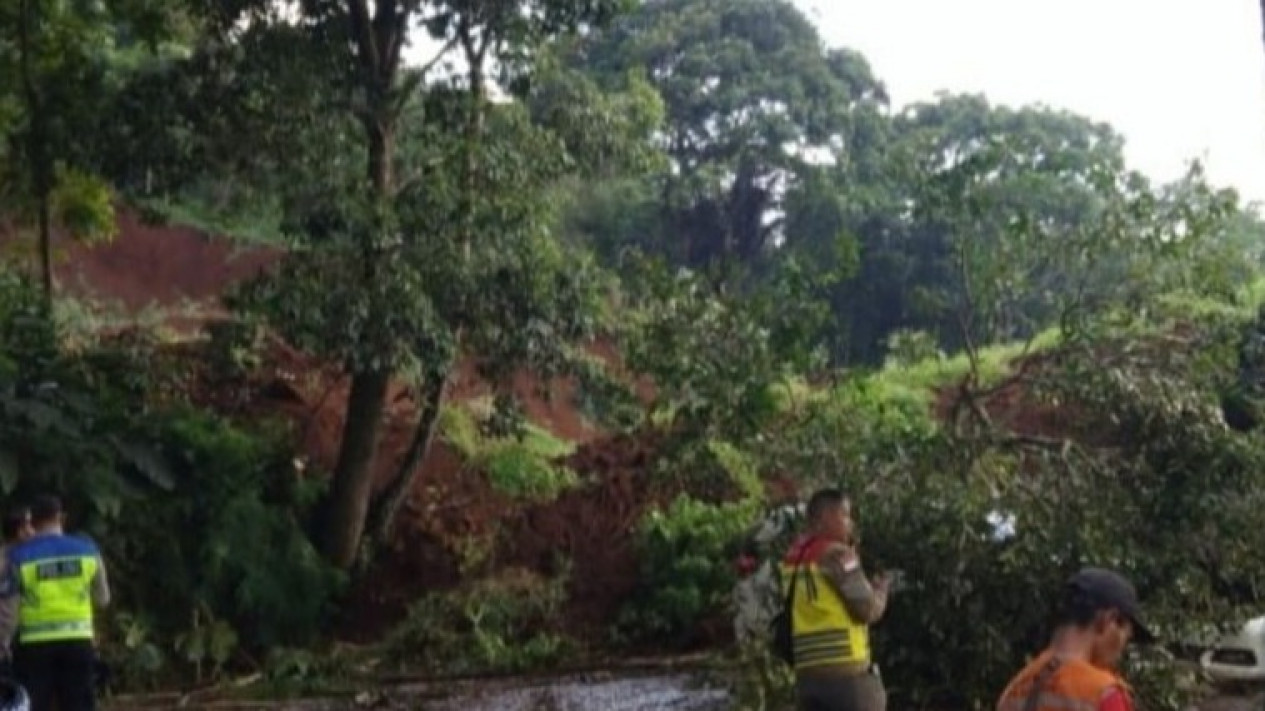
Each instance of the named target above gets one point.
<point>790,593</point>
<point>1042,679</point>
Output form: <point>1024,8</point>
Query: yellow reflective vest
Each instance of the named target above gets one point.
<point>52,575</point>
<point>824,632</point>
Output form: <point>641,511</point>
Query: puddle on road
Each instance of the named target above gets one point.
<point>681,692</point>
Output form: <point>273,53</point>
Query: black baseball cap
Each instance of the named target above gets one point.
<point>1109,589</point>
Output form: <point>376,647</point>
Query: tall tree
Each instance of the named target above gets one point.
<point>753,99</point>
<point>1045,165</point>
<point>434,245</point>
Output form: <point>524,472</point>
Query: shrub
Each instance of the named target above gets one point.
<point>200,522</point>
<point>523,465</point>
<point>687,570</point>
<point>241,552</point>
<point>494,624</point>
<point>513,468</point>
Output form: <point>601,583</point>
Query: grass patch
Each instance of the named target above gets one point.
<point>1242,306</point>
<point>522,467</point>
<point>995,363</point>
<point>249,223</point>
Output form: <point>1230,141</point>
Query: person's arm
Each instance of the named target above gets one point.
<point>865,602</point>
<point>100,586</point>
<point>1115,700</point>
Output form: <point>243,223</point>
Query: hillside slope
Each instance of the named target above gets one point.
<point>183,270</point>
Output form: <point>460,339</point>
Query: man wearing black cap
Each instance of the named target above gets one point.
<point>1097,615</point>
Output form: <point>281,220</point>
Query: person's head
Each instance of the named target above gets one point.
<point>46,514</point>
<point>1101,606</point>
<point>830,515</point>
<point>17,525</point>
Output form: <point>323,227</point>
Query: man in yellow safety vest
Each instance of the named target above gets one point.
<point>54,580</point>
<point>831,606</point>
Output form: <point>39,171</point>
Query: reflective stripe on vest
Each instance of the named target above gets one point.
<point>56,599</point>
<point>824,632</point>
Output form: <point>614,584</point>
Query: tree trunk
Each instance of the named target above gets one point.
<point>352,491</point>
<point>46,244</point>
<point>353,475</point>
<point>388,505</point>
<point>37,150</point>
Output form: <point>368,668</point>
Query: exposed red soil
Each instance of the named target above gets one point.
<point>153,265</point>
<point>594,527</point>
<point>451,505</point>
<point>1024,405</point>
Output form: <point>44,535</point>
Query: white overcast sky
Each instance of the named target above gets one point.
<point>1180,79</point>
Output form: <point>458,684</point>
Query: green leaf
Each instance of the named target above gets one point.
<point>148,461</point>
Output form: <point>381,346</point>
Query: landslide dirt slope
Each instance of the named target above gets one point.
<point>150,266</point>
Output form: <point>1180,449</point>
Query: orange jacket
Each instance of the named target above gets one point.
<point>1074,686</point>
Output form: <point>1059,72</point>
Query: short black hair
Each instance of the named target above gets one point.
<point>823,500</point>
<point>14,520</point>
<point>45,509</point>
<point>1075,608</point>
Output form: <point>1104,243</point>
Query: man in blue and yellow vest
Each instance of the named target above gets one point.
<point>54,580</point>
<point>831,611</point>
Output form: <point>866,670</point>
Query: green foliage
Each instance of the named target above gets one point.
<point>520,472</point>
<point>864,427</point>
<point>749,92</point>
<point>686,570</point>
<point>992,365</point>
<point>717,360</point>
<point>1148,444</point>
<point>739,466</point>
<point>240,574</point>
<point>906,347</point>
<point>208,640</point>
<point>56,74</point>
<point>493,624</point>
<point>256,222</point>
<point>522,465</point>
<point>244,492</point>
<point>219,511</point>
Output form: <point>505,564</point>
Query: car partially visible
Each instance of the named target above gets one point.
<point>1238,656</point>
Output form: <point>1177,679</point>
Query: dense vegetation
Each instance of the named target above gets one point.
<point>784,255</point>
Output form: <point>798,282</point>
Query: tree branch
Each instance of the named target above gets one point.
<point>362,35</point>
<point>390,26</point>
<point>443,51</point>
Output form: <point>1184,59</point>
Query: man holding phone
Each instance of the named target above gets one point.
<point>831,607</point>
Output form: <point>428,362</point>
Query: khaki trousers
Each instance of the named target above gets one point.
<point>821,690</point>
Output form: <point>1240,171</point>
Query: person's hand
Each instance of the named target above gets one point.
<point>849,557</point>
